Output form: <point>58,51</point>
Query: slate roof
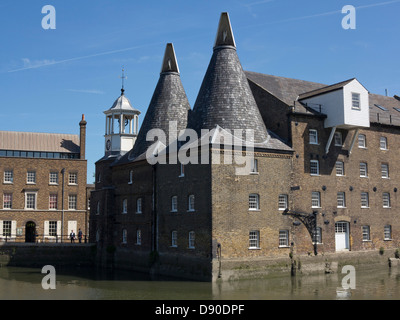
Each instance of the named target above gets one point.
<point>35,141</point>
<point>169,103</point>
<point>289,90</point>
<point>225,98</point>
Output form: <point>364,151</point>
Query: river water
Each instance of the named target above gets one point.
<point>83,284</point>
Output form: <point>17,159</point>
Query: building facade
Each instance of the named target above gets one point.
<point>43,187</point>
<point>278,167</point>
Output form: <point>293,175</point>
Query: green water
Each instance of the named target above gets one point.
<point>84,284</point>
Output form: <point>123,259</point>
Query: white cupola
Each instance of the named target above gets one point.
<point>122,122</point>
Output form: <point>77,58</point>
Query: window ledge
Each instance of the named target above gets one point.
<point>254,248</point>
<point>284,246</point>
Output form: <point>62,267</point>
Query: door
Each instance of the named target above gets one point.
<point>341,235</point>
<point>30,231</point>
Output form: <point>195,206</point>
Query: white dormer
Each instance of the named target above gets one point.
<point>346,104</point>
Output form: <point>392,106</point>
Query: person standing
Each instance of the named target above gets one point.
<point>80,235</point>
<point>72,236</point>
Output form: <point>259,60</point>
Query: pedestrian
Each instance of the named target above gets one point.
<point>72,236</point>
<point>80,235</point>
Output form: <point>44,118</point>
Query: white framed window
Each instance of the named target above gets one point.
<point>191,240</point>
<point>254,239</point>
<point>174,204</point>
<point>314,167</point>
<point>191,202</point>
<point>8,176</point>
<point>30,200</point>
<point>6,230</point>
<point>363,169</point>
<point>125,206</point>
<point>315,199</point>
<point>174,239</point>
<point>283,202</point>
<point>364,200</point>
<point>138,237</point>
<point>385,170</point>
<point>387,232</point>
<point>72,201</point>
<point>366,233</point>
<point>254,166</point>
<point>53,228</point>
<point>355,101</point>
<point>254,201</point>
<point>386,199</point>
<point>53,201</point>
<point>73,178</point>
<point>313,136</point>
<point>339,168</point>
<point>338,139</point>
<point>53,178</point>
<point>362,141</point>
<point>130,177</point>
<point>317,235</point>
<point>341,200</point>
<point>124,236</point>
<point>31,177</point>
<point>139,205</point>
<point>7,201</point>
<point>283,238</point>
<point>383,143</point>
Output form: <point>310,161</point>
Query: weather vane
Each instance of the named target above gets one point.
<point>123,77</point>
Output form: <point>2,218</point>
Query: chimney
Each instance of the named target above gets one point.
<point>82,137</point>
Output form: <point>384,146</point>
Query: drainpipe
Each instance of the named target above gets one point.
<point>62,205</point>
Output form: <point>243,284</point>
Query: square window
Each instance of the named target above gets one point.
<point>254,201</point>
<point>315,199</point>
<point>366,233</point>
<point>339,168</point>
<point>72,202</point>
<point>30,200</point>
<point>364,200</point>
<point>174,238</point>
<point>363,170</point>
<point>254,239</point>
<point>53,178</point>
<point>73,178</point>
<point>338,139</point>
<point>31,177</point>
<point>191,239</point>
<point>283,201</point>
<point>53,201</point>
<point>313,136</point>
<point>174,204</point>
<point>386,199</point>
<point>362,141</point>
<point>7,201</point>
<point>8,176</point>
<point>283,238</point>
<point>383,143</point>
<point>341,200</point>
<point>7,228</point>
<point>385,170</point>
<point>317,235</point>
<point>387,232</point>
<point>314,167</point>
<point>355,101</point>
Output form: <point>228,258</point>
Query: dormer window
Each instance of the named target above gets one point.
<point>355,101</point>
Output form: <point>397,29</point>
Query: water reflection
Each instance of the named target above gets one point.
<point>25,283</point>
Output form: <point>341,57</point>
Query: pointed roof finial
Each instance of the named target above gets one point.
<point>123,77</point>
<point>224,34</point>
<point>170,64</point>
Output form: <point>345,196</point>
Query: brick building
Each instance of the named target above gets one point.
<point>43,185</point>
<point>315,177</point>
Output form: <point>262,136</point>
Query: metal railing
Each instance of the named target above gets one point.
<point>44,238</point>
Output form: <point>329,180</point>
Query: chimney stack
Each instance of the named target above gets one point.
<point>82,137</point>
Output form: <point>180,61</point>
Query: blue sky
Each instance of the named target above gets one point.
<point>49,78</point>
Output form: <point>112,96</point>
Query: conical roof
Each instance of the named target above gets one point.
<point>169,103</point>
<point>225,98</point>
